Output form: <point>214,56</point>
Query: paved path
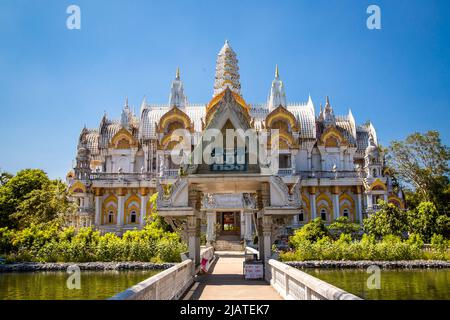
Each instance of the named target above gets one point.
<point>225,281</point>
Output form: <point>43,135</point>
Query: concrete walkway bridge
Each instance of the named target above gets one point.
<point>224,280</point>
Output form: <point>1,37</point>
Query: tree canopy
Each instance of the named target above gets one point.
<point>31,197</point>
<point>421,163</point>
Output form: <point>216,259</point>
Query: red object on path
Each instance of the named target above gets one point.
<point>203,264</point>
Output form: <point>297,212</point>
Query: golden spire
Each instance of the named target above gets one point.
<point>276,71</point>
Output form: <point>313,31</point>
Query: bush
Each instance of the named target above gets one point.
<point>50,244</point>
<point>439,246</point>
<point>343,226</point>
<point>344,248</point>
<point>311,232</point>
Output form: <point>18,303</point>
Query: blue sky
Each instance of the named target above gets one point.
<point>53,80</point>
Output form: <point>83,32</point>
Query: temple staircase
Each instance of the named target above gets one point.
<point>228,243</point>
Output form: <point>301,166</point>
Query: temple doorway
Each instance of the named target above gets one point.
<point>230,223</point>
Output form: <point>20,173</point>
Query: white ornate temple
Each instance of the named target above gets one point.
<point>328,165</point>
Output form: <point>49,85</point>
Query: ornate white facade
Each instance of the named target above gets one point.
<point>329,165</point>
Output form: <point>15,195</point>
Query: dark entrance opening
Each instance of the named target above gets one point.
<point>229,223</point>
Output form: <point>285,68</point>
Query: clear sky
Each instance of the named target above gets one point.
<point>53,80</point>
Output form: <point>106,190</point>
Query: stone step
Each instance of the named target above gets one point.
<point>225,245</point>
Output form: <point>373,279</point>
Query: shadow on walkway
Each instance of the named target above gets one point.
<point>225,281</point>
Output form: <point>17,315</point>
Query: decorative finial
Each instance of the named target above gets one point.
<point>277,75</point>
<point>328,100</point>
<point>178,73</point>
<point>126,102</point>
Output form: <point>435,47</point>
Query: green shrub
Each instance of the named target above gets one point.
<point>439,247</point>
<point>311,231</point>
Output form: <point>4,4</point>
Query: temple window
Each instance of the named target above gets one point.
<point>323,214</point>
<point>284,161</point>
<point>133,217</point>
<point>301,216</point>
<point>346,213</point>
<point>110,217</point>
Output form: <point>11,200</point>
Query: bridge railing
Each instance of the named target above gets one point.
<point>170,284</point>
<point>167,285</point>
<point>293,284</point>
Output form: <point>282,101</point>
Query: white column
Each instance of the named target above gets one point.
<point>369,201</point>
<point>120,210</point>
<point>248,226</point>
<point>295,221</point>
<point>312,201</point>
<point>193,232</point>
<point>386,199</point>
<point>309,155</point>
<point>210,226</point>
<point>144,200</point>
<point>267,237</point>
<point>98,210</point>
<point>293,162</point>
<point>336,206</point>
<point>359,208</point>
<point>242,221</point>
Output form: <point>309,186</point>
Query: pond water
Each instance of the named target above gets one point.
<point>52,285</point>
<point>395,284</point>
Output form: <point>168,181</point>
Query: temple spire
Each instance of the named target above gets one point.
<point>277,95</point>
<point>227,71</point>
<point>328,113</point>
<point>177,97</point>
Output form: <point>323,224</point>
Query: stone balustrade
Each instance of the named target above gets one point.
<point>170,284</point>
<point>293,284</point>
<point>124,177</point>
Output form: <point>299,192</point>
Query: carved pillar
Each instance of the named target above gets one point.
<point>335,193</point>
<point>210,226</point>
<point>98,206</point>
<point>312,201</point>
<point>120,206</point>
<point>293,161</point>
<point>242,222</point>
<point>193,233</point>
<point>248,226</point>
<point>359,205</point>
<point>267,237</point>
<point>194,198</point>
<point>295,221</point>
<point>265,195</point>
<point>309,155</point>
<point>369,201</point>
<point>144,200</point>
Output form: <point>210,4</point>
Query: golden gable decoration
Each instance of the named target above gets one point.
<point>281,114</point>
<point>332,138</point>
<point>123,139</point>
<point>174,119</point>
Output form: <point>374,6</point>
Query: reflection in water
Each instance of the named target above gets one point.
<point>52,285</point>
<point>397,284</point>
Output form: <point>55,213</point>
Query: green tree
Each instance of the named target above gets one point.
<point>389,220</point>
<point>43,205</point>
<point>16,189</point>
<point>421,161</point>
<point>310,232</point>
<point>425,220</point>
<point>343,226</point>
